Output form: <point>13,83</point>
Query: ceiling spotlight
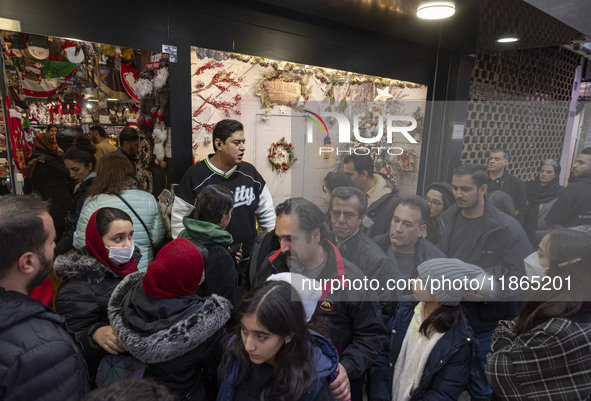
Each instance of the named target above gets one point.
<point>507,39</point>
<point>436,9</point>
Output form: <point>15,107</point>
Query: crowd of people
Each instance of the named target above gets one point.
<point>221,311</point>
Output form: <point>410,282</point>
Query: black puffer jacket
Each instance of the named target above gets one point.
<point>179,338</point>
<point>39,361</point>
<point>83,299</point>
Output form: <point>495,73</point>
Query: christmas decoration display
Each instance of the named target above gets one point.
<point>388,164</point>
<point>281,155</point>
<point>283,88</point>
<point>208,93</point>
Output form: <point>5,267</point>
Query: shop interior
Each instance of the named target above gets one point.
<point>77,84</point>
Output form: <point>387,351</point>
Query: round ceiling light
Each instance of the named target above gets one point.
<point>507,39</point>
<point>436,9</point>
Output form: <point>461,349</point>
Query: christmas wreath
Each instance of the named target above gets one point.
<point>281,155</point>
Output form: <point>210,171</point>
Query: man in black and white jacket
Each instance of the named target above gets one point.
<point>252,199</point>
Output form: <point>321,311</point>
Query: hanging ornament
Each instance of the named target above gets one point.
<point>281,155</point>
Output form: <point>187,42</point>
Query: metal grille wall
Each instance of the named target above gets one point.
<point>519,95</point>
<point>519,102</point>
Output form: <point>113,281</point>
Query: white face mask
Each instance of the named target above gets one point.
<point>120,256</point>
<point>533,266</point>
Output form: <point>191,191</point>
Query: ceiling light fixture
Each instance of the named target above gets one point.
<point>436,9</point>
<point>507,39</point>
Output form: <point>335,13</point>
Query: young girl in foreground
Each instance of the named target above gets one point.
<point>272,355</point>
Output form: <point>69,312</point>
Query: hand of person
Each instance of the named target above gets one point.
<point>473,296</point>
<point>341,389</point>
<point>237,255</point>
<point>107,340</point>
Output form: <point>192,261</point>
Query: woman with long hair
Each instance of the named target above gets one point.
<point>207,225</point>
<point>115,186</point>
<point>272,354</point>
<point>546,351</point>
<point>431,346</point>
<point>79,160</point>
<point>163,323</point>
<point>90,277</point>
<point>542,193</point>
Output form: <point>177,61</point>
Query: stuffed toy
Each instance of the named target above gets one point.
<point>160,135</point>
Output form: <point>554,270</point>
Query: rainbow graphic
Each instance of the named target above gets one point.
<point>318,120</point>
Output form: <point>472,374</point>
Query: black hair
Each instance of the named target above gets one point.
<point>416,202</point>
<point>477,171</point>
<point>310,217</point>
<point>224,129</point>
<point>128,134</point>
<point>361,163</point>
<point>336,179</point>
<point>21,228</point>
<point>349,192</point>
<point>279,310</point>
<point>81,151</point>
<point>503,201</point>
<point>106,215</point>
<point>440,320</point>
<point>212,203</point>
<point>505,152</point>
<point>101,131</point>
<point>50,126</point>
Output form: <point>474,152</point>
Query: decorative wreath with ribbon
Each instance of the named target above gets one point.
<point>281,155</point>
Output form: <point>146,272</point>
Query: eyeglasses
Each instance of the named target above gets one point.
<point>348,215</point>
<point>433,202</point>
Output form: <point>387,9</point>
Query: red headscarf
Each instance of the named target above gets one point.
<point>176,271</point>
<point>96,247</point>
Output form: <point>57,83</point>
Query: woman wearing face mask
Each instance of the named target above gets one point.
<point>115,186</point>
<point>545,353</point>
<point>90,277</point>
<point>541,195</point>
<point>79,160</point>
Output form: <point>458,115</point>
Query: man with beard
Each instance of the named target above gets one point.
<point>129,143</point>
<point>573,206</point>
<point>475,232</point>
<point>353,316</point>
<point>252,199</point>
<point>39,359</point>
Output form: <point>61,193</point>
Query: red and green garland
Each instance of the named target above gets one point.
<point>281,155</point>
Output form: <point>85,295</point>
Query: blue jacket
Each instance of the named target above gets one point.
<point>447,370</point>
<point>326,359</point>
